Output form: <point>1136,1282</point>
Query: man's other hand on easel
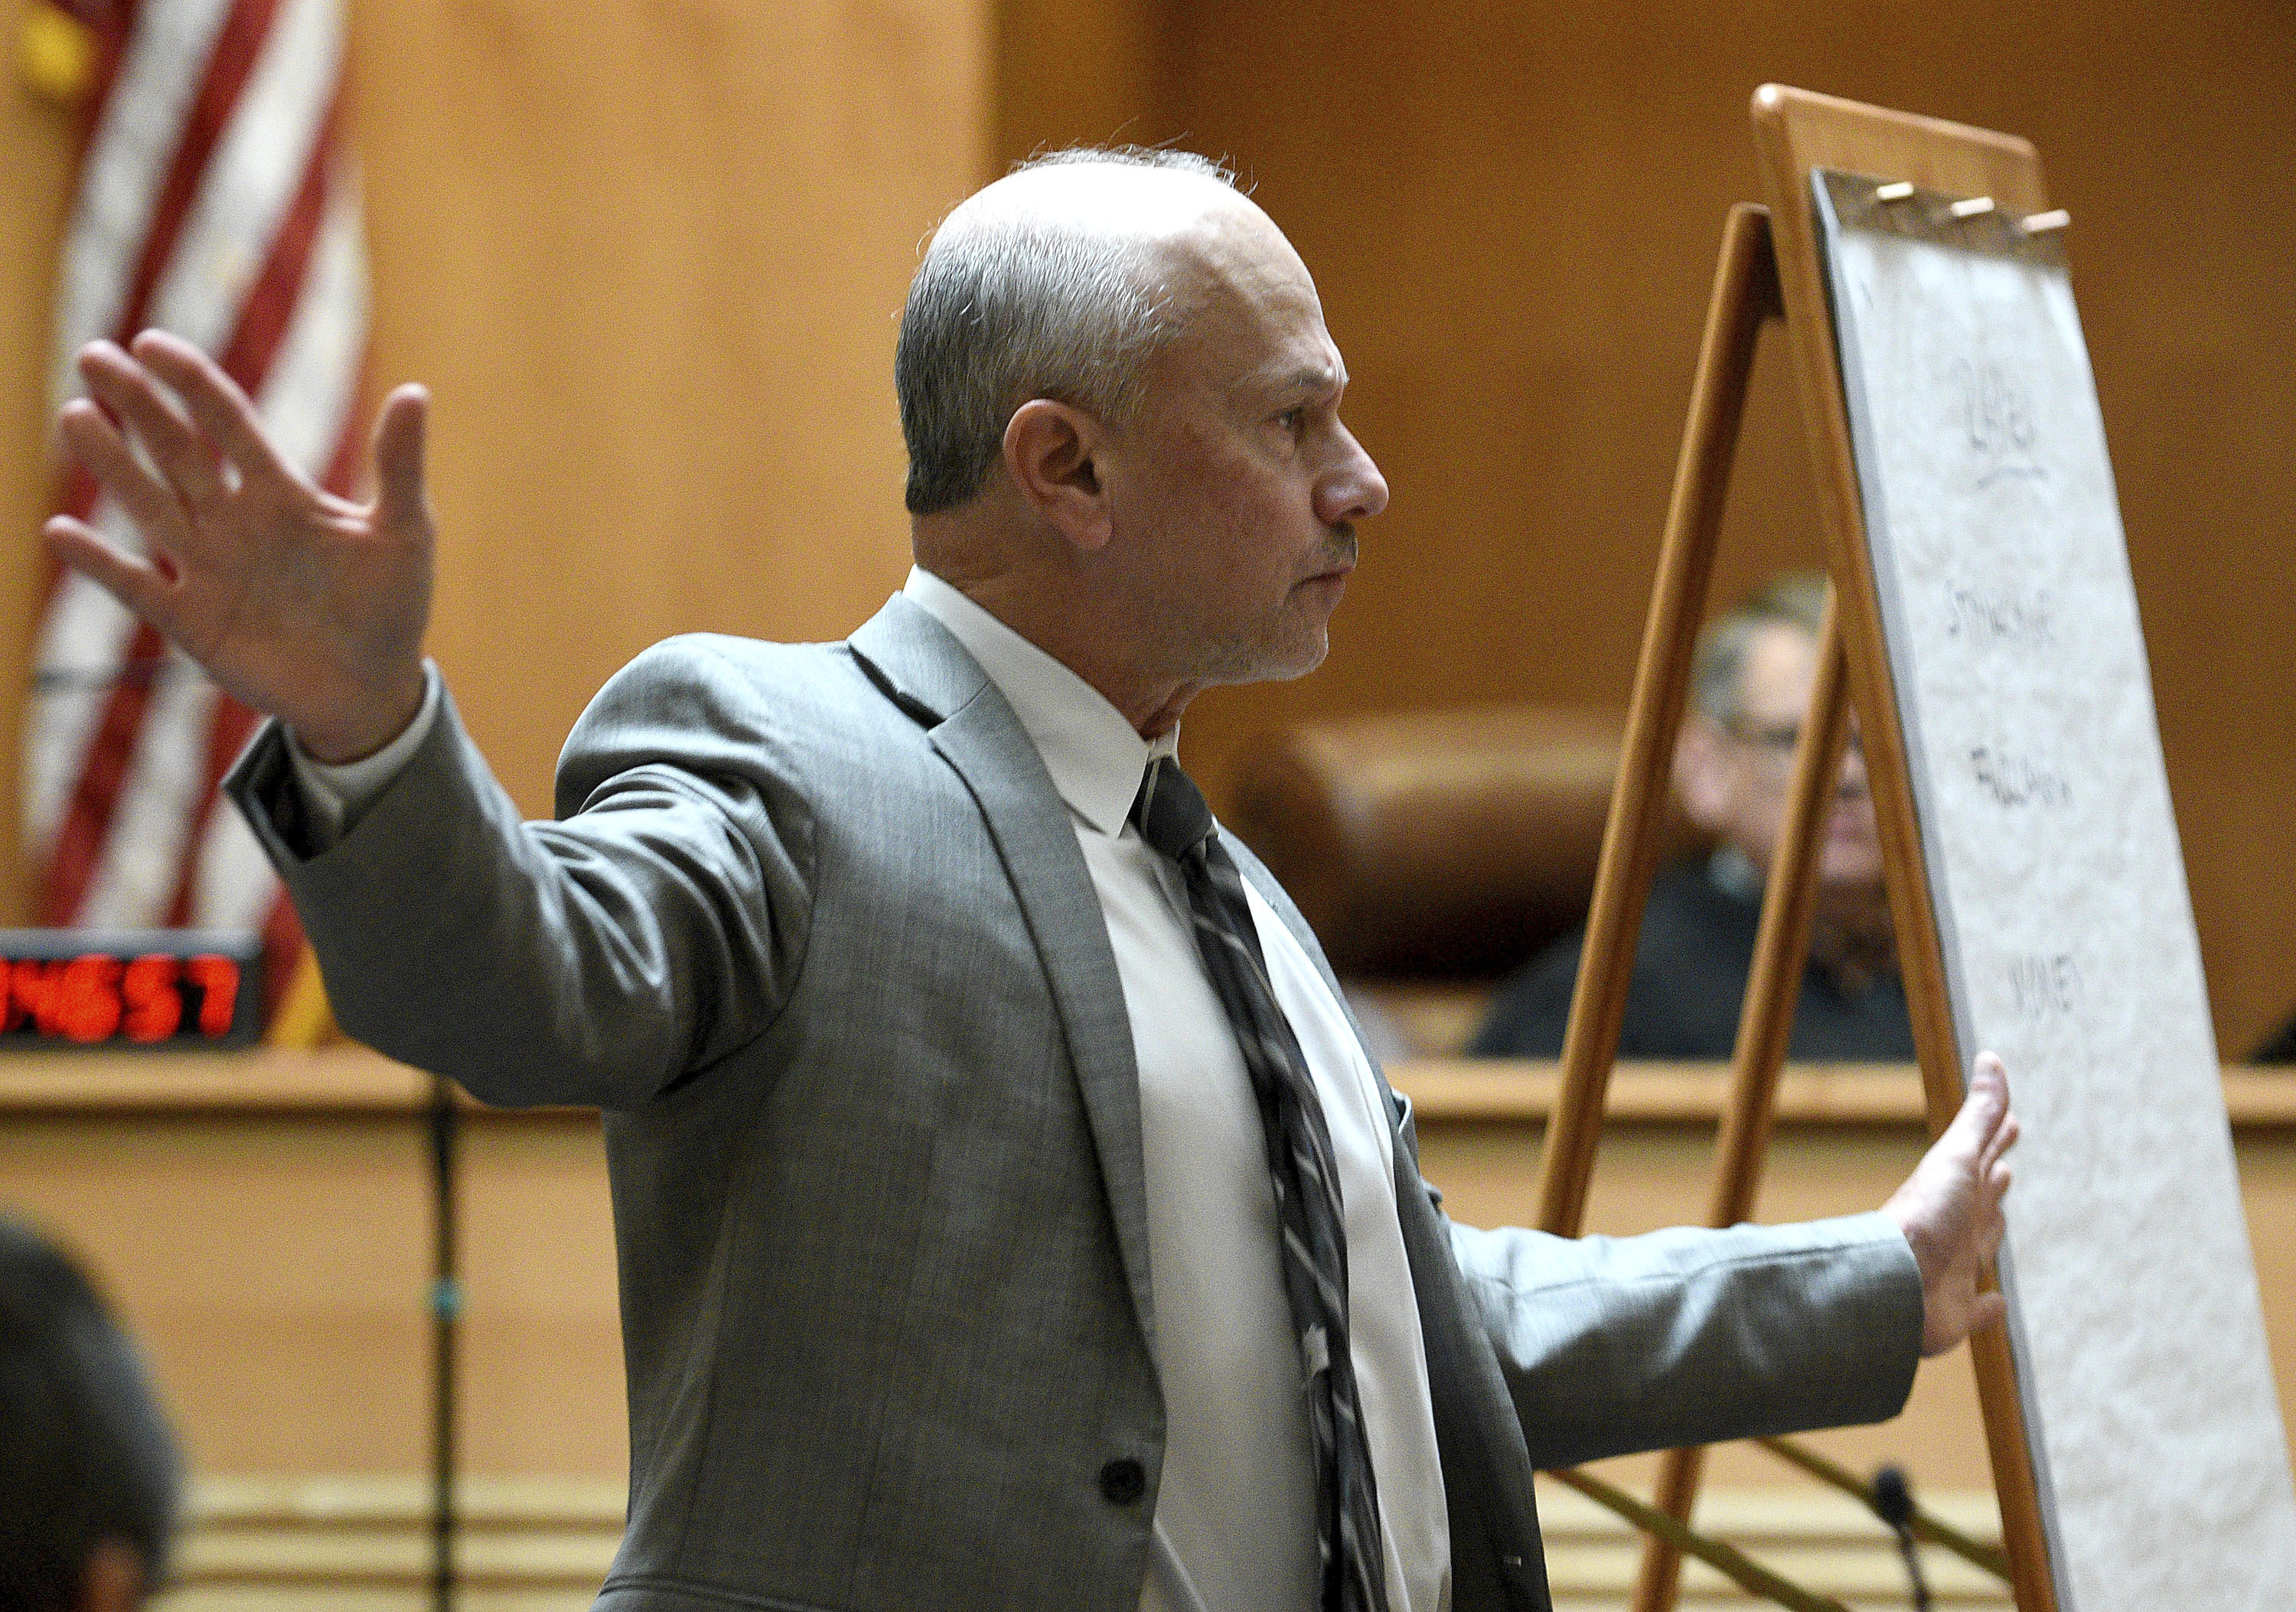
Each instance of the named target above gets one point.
<point>1950,1210</point>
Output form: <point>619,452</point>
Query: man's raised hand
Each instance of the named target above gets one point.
<point>1950,1210</point>
<point>300,603</point>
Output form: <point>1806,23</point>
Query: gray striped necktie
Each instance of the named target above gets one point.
<point>1172,817</point>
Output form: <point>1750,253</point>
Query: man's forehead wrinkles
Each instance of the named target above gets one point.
<point>1289,374</point>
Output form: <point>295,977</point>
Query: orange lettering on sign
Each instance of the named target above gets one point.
<point>32,994</point>
<point>218,978</point>
<point>154,1007</point>
<point>88,999</point>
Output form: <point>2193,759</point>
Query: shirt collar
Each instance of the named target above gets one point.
<point>1734,873</point>
<point>1094,756</point>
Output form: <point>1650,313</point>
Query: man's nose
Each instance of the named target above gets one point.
<point>1854,781</point>
<point>1353,489</point>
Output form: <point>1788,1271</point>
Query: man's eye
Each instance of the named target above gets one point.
<point>1292,419</point>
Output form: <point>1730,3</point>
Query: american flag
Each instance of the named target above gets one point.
<point>217,199</point>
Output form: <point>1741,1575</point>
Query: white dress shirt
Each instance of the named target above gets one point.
<point>1236,1514</point>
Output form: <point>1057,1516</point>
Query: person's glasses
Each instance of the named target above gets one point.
<point>1777,741</point>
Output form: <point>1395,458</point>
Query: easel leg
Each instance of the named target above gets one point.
<point>1746,294</point>
<point>2014,1486</point>
<point>1765,1026</point>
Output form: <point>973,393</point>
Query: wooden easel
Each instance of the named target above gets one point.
<point>1770,269</point>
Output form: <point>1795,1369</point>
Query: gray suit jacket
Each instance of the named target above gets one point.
<point>814,930</point>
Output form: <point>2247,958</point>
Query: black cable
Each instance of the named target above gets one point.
<point>445,1310</point>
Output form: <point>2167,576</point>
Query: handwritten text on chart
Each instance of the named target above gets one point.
<point>2046,986</point>
<point>1995,616</point>
<point>1998,413</point>
<point>2011,779</point>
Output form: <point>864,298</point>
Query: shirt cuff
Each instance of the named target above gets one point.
<point>336,796</point>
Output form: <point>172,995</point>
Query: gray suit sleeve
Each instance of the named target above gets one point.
<point>1610,1345</point>
<point>1614,1344</point>
<point>592,960</point>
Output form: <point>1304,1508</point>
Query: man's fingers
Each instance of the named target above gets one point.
<point>215,402</point>
<point>177,448</point>
<point>1990,1076</point>
<point>1985,1102</point>
<point>399,434</point>
<point>135,583</point>
<point>1986,1108</point>
<point>97,443</point>
<point>2003,1138</point>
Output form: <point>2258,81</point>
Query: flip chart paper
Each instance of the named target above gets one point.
<point>2059,885</point>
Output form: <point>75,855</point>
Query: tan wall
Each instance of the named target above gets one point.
<point>1513,214</point>
<point>37,143</point>
<point>275,1270</point>
<point>648,258</point>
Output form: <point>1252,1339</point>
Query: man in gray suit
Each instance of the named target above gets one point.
<point>965,1249</point>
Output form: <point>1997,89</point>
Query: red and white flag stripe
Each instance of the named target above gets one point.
<point>217,200</point>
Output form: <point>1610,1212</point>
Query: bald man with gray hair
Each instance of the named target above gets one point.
<point>1008,1213</point>
<point>1008,306</point>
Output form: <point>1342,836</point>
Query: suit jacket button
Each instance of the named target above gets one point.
<point>1122,1481</point>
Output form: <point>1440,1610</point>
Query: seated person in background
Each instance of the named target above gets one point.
<point>89,1473</point>
<point>1733,767</point>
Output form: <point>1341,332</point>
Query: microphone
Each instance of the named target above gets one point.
<point>1893,1500</point>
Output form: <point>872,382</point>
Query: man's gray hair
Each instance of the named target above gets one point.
<point>1016,309</point>
<point>1718,669</point>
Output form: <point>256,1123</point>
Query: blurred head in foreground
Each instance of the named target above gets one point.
<point>89,1471</point>
<point>1750,690</point>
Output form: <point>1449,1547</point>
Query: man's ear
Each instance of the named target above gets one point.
<point>1701,773</point>
<point>1050,452</point>
<point>114,1579</point>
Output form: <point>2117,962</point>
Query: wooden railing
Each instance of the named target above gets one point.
<point>360,1544</point>
<point>352,1080</point>
<point>154,1166</point>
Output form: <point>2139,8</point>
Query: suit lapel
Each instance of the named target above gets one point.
<point>927,671</point>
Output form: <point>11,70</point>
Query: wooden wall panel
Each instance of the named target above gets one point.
<point>341,1544</point>
<point>1090,74</point>
<point>649,261</point>
<point>276,1271</point>
<point>1513,214</point>
<point>274,1255</point>
<point>39,144</point>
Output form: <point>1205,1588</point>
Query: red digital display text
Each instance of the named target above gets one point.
<point>99,996</point>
